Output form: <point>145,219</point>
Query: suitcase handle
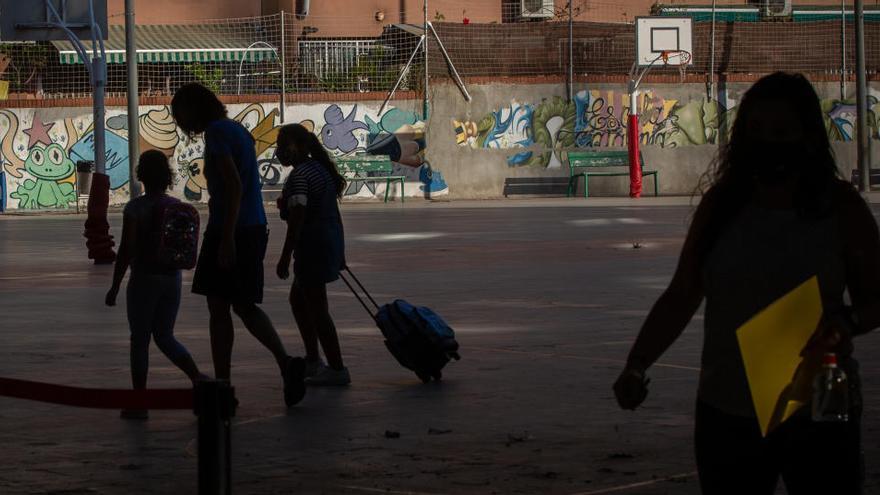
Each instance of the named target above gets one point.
<point>355,292</point>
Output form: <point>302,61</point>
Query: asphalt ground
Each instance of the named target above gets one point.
<point>546,299</point>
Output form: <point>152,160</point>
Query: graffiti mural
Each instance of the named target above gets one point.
<point>38,154</point>
<point>344,131</point>
<point>115,155</point>
<point>337,135</point>
<point>841,117</point>
<point>593,119</point>
<point>597,118</point>
<point>38,161</point>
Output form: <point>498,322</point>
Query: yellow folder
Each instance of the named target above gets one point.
<point>780,379</point>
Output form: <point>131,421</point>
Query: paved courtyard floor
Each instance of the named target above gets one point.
<point>545,297</point>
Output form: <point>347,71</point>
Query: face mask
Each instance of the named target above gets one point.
<point>289,157</point>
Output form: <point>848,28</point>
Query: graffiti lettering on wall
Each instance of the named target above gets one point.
<point>599,119</point>
<point>593,119</point>
<point>39,153</point>
<point>841,117</point>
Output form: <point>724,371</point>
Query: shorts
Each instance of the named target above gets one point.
<point>244,282</point>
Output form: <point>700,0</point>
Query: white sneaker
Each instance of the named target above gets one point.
<point>313,367</point>
<point>328,377</point>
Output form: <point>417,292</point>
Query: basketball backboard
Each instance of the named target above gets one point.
<point>657,34</point>
<point>30,20</point>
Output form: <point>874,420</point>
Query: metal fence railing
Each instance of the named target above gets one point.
<point>268,54</point>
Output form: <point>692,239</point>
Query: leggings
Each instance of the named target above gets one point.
<point>152,301</point>
<point>733,458</point>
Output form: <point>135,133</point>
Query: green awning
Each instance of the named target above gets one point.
<point>178,43</point>
<point>746,13</point>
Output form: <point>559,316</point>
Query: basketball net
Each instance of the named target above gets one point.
<point>677,58</point>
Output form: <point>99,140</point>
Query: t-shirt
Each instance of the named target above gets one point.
<point>312,186</point>
<point>142,212</point>
<point>320,251</point>
<point>228,137</point>
<point>761,256</point>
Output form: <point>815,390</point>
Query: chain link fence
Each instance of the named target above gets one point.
<point>270,54</point>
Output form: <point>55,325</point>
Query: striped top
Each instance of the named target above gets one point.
<point>307,186</point>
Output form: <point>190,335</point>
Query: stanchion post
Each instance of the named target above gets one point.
<point>214,404</point>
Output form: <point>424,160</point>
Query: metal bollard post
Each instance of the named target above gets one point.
<point>214,405</point>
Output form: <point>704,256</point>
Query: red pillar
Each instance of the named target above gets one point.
<point>99,241</point>
<point>632,141</point>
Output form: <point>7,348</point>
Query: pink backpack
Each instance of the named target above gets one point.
<point>177,234</point>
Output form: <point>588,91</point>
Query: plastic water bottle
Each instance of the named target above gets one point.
<point>830,392</point>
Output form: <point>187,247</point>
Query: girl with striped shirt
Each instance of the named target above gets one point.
<point>315,241</point>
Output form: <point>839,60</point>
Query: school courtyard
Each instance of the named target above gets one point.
<point>545,296</point>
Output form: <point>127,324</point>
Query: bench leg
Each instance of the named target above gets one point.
<point>572,183</point>
<point>387,188</point>
<point>656,185</point>
<point>402,190</point>
<point>586,186</point>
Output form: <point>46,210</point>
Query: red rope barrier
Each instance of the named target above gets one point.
<point>97,398</point>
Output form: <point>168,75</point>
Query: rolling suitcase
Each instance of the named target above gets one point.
<point>415,335</point>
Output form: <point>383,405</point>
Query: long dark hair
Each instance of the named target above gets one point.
<point>306,141</point>
<point>736,172</point>
<point>194,107</point>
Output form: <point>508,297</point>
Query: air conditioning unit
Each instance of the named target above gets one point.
<point>776,8</point>
<point>540,9</point>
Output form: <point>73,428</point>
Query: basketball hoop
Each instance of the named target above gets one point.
<point>677,58</point>
<point>659,40</point>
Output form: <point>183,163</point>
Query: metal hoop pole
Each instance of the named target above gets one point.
<point>281,102</point>
<point>425,98</point>
<point>635,162</point>
<point>133,94</point>
<point>712,56</point>
<point>570,51</point>
<point>455,76</point>
<point>864,152</point>
<point>422,40</point>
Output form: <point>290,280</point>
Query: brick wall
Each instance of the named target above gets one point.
<point>604,48</point>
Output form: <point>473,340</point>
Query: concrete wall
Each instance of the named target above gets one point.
<point>507,131</point>
<point>523,130</point>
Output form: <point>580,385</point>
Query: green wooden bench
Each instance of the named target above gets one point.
<point>370,168</point>
<point>597,163</point>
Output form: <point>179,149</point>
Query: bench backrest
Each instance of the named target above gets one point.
<point>362,165</point>
<point>600,159</point>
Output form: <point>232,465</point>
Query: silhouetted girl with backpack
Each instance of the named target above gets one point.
<point>153,294</point>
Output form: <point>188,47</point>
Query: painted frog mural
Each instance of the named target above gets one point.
<point>48,162</point>
<point>49,165</point>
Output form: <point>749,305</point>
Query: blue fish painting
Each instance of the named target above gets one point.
<point>338,130</point>
<point>115,152</point>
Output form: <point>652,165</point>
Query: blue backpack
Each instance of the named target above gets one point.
<point>416,336</point>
